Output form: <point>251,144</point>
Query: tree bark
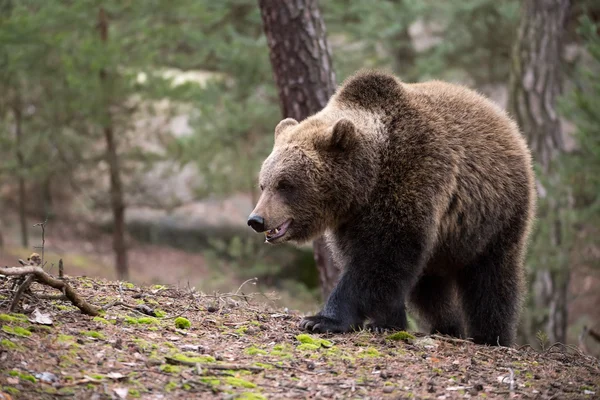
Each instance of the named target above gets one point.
<point>17,111</point>
<point>301,61</point>
<point>116,188</point>
<point>535,85</point>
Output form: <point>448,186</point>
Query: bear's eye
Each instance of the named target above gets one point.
<point>284,186</point>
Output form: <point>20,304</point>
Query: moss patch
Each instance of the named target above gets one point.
<point>238,382</point>
<point>16,331</point>
<point>402,335</point>
<point>182,323</point>
<point>170,369</point>
<point>307,339</point>
<point>193,358</point>
<point>93,334</point>
<point>250,396</point>
<point>252,351</point>
<point>13,318</point>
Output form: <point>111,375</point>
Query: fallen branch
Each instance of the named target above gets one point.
<point>233,367</point>
<point>42,277</point>
<point>24,286</point>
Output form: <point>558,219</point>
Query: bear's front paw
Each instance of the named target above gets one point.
<point>321,324</point>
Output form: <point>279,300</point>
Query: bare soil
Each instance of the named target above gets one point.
<point>240,346</point>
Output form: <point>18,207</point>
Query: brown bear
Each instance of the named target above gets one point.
<point>426,195</point>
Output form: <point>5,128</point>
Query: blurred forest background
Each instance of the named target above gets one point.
<point>136,130</point>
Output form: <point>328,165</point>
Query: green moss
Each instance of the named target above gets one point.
<point>170,369</point>
<point>131,320</point>
<point>39,328</point>
<point>170,386</point>
<point>250,396</point>
<point>307,339</point>
<point>194,358</point>
<point>238,382</point>
<point>65,338</point>
<point>279,347</point>
<point>170,345</point>
<point>252,351</point>
<point>11,390</point>
<point>210,380</point>
<point>93,334</point>
<point>14,372</point>
<point>128,285</point>
<point>159,287</point>
<point>97,376</point>
<point>153,328</point>
<point>263,365</point>
<point>8,344</point>
<point>16,330</point>
<point>437,371</point>
<point>134,393</point>
<point>308,346</point>
<point>147,320</point>
<point>100,320</point>
<point>241,330</point>
<point>182,323</point>
<point>402,335</point>
<point>160,313</point>
<point>13,318</point>
<point>369,352</point>
<point>27,377</point>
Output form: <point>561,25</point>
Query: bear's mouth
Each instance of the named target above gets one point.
<point>278,232</point>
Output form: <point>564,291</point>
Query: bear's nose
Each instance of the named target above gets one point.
<point>256,222</point>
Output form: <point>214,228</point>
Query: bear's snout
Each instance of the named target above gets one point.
<point>256,222</point>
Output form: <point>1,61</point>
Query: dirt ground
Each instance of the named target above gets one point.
<point>240,346</point>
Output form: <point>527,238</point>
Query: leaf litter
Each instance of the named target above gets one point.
<point>238,346</point>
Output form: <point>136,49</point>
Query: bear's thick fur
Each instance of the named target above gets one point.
<point>426,194</point>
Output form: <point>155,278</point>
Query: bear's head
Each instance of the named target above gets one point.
<point>310,179</point>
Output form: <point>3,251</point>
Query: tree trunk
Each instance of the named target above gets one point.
<point>116,189</point>
<point>21,167</point>
<point>301,61</point>
<point>535,85</point>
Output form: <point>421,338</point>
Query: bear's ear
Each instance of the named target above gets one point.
<point>283,125</point>
<point>342,136</point>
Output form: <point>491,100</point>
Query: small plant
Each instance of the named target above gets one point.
<point>542,338</point>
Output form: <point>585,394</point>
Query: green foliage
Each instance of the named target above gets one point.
<point>581,106</point>
<point>474,40</point>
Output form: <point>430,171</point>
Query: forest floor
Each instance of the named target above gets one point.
<point>239,345</point>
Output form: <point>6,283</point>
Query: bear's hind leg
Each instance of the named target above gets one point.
<point>434,298</point>
<point>491,291</point>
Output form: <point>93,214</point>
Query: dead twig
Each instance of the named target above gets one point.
<point>450,339</point>
<point>233,367</point>
<point>43,226</point>
<point>41,276</point>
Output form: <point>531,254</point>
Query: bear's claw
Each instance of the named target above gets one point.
<point>321,324</point>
